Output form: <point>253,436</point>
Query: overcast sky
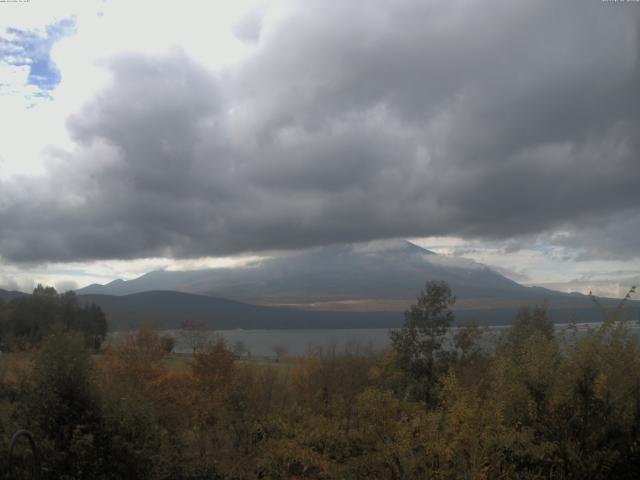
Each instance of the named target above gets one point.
<point>140,135</point>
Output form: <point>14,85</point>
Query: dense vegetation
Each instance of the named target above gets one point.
<point>538,405</point>
<point>26,320</point>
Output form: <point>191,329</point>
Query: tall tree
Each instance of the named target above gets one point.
<point>419,341</point>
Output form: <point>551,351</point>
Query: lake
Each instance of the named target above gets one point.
<point>299,342</point>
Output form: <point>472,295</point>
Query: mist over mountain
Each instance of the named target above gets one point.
<point>373,276</point>
<point>339,286</point>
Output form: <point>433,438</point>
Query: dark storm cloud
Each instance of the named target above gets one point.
<point>614,236</point>
<point>354,121</point>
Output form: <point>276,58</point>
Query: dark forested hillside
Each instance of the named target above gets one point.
<point>26,319</point>
<point>8,295</point>
<point>166,309</point>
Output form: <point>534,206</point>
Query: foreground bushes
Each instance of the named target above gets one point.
<point>535,406</point>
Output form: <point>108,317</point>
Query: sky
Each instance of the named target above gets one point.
<point>144,135</point>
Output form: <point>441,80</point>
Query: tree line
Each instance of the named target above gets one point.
<point>538,404</point>
<point>27,320</point>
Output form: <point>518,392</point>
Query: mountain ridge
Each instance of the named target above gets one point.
<point>8,295</point>
<point>345,272</point>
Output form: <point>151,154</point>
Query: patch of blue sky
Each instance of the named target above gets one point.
<point>32,49</point>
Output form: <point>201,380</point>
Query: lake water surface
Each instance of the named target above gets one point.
<point>299,342</point>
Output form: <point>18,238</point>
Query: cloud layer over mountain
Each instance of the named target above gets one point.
<point>353,121</point>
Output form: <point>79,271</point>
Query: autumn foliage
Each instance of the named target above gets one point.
<point>532,403</point>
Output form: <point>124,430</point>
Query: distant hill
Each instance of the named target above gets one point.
<point>166,309</point>
<point>8,295</point>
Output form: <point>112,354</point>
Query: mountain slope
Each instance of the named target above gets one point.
<point>375,281</point>
<point>380,270</point>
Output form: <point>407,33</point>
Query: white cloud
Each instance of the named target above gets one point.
<point>72,275</point>
<point>36,15</point>
<point>32,125</point>
<point>537,261</point>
